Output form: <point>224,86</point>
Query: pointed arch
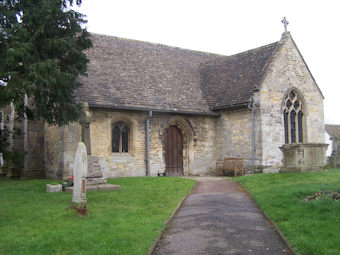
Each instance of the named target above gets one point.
<point>120,136</point>
<point>294,115</point>
<point>188,135</point>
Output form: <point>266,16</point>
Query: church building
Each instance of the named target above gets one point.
<point>151,108</point>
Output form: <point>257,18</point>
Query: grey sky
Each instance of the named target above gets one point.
<point>229,27</point>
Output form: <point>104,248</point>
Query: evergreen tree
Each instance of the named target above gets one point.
<point>41,56</point>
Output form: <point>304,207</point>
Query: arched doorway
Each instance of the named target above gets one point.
<point>173,149</point>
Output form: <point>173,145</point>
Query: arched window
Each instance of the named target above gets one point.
<point>293,118</point>
<point>120,137</point>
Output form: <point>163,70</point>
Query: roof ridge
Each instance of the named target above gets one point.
<point>235,76</point>
<point>159,44</point>
<point>240,53</point>
<point>254,49</point>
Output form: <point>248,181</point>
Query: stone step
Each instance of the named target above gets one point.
<point>95,181</point>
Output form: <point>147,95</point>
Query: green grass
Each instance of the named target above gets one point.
<point>118,222</point>
<point>310,227</point>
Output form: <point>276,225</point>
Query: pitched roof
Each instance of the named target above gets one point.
<point>232,80</point>
<point>132,74</point>
<point>333,130</point>
<point>129,74</point>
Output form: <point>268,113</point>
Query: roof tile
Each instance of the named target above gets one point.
<point>132,74</point>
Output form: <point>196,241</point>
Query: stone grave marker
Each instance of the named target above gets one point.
<point>80,174</point>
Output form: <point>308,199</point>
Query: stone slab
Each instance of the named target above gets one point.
<point>96,181</point>
<point>98,187</point>
<point>53,188</point>
<point>271,170</point>
<point>108,187</point>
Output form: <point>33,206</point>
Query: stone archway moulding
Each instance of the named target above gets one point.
<point>189,137</point>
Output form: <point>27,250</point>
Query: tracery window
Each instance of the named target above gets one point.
<point>293,118</point>
<point>120,137</point>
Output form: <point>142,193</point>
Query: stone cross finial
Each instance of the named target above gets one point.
<point>285,23</point>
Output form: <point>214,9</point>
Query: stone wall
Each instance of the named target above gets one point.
<point>54,150</point>
<point>34,166</point>
<point>288,71</point>
<point>30,145</point>
<point>234,136</point>
<point>205,138</point>
<point>199,154</point>
<point>60,146</point>
<point>71,137</point>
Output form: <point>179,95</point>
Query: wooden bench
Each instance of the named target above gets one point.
<point>230,164</point>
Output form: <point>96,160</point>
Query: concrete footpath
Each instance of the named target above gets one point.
<point>218,218</point>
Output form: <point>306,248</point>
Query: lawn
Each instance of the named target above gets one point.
<point>118,222</point>
<point>311,227</point>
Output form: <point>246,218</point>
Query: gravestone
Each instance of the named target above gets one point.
<point>95,173</point>
<point>80,174</point>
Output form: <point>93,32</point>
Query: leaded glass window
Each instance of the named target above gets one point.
<point>125,139</point>
<point>120,137</point>
<point>293,118</point>
<point>293,126</point>
<point>285,119</point>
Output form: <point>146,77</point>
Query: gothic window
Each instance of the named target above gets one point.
<point>293,118</point>
<point>120,137</point>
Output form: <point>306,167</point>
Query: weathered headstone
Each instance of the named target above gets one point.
<point>80,174</point>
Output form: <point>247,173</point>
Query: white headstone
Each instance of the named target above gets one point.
<point>80,174</point>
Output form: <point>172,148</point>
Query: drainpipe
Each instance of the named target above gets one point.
<point>251,107</point>
<point>147,136</point>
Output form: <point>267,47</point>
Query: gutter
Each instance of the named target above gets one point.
<point>232,106</point>
<point>153,110</point>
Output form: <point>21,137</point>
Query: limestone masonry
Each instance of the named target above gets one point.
<point>177,112</point>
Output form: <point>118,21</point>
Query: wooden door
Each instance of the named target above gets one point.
<point>173,142</point>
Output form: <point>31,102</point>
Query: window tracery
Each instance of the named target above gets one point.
<point>120,137</point>
<point>293,114</point>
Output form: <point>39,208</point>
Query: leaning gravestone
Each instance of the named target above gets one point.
<point>80,174</point>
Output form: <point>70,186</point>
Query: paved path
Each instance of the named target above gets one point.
<point>218,218</point>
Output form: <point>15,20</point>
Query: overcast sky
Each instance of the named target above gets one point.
<point>229,27</point>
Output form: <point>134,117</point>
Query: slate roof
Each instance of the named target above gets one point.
<point>333,130</point>
<point>129,74</point>
<point>230,81</point>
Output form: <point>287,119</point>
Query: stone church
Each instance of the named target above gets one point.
<point>151,108</point>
